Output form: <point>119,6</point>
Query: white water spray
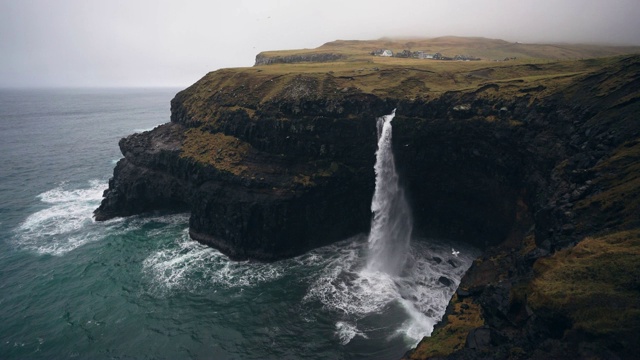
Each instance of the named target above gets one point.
<point>391,226</point>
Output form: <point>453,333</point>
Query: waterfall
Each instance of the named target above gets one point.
<point>391,226</point>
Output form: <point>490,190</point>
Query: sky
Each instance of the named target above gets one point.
<point>150,43</point>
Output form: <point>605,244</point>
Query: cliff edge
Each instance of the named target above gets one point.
<point>534,161</point>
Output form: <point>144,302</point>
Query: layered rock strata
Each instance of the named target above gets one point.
<point>531,169</point>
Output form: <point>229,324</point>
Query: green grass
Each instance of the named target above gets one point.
<point>595,284</point>
<point>225,153</point>
<point>360,72</point>
<point>466,315</point>
<point>231,155</point>
<point>384,77</point>
<point>617,205</point>
<point>486,49</point>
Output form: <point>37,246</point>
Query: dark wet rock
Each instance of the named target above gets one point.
<point>444,281</point>
<point>478,338</point>
<point>142,181</point>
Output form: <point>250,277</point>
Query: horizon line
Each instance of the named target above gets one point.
<point>88,87</point>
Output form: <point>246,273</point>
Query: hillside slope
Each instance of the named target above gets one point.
<point>483,48</point>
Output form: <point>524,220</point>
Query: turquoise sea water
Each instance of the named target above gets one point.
<point>140,288</point>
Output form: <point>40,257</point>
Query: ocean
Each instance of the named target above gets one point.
<point>139,287</point>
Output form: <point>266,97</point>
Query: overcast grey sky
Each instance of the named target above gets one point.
<point>174,43</point>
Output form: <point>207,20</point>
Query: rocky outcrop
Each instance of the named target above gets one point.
<point>146,178</point>
<point>277,206</point>
<point>271,165</point>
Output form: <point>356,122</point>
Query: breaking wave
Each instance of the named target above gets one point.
<point>65,221</point>
<point>346,332</point>
<point>187,264</point>
<point>338,280</point>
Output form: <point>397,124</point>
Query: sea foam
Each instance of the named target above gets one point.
<point>185,264</point>
<point>346,332</point>
<point>349,288</point>
<point>63,224</point>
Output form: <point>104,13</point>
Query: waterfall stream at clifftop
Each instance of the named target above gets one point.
<point>139,287</point>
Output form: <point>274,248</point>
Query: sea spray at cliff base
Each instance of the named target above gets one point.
<point>140,287</point>
<point>371,285</point>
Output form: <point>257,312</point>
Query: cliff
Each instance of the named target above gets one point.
<point>534,161</point>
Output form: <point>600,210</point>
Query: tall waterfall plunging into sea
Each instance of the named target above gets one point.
<point>391,226</point>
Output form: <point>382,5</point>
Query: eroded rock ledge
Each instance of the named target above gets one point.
<point>272,164</point>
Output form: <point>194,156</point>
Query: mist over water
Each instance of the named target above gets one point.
<point>139,287</point>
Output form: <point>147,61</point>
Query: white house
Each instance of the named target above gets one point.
<point>387,53</point>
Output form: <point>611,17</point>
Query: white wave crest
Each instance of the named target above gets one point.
<point>346,332</point>
<point>141,130</point>
<point>187,264</point>
<point>62,225</point>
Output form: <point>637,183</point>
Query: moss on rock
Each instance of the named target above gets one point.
<point>465,316</point>
<point>595,284</point>
<point>223,152</point>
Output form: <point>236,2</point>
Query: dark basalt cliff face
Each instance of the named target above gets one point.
<point>263,190</point>
<point>273,164</point>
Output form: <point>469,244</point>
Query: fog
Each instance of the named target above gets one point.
<point>174,43</point>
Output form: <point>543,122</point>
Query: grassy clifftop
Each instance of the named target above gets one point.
<point>483,48</point>
<point>537,71</point>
